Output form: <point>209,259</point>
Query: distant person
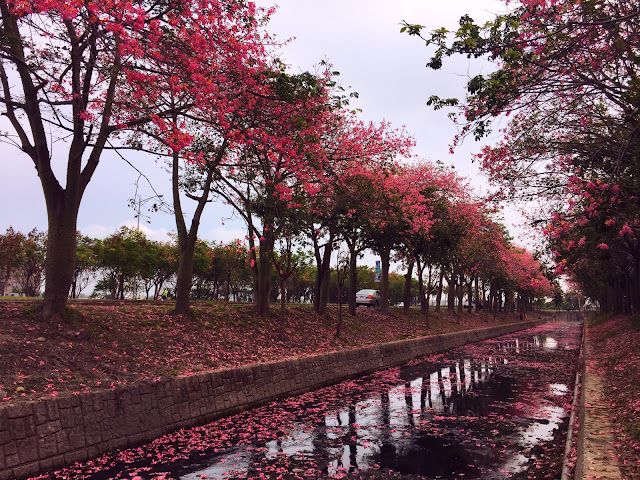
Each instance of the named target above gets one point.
<point>165,294</point>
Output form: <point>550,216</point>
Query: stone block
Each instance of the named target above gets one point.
<point>110,407</point>
<point>67,417</point>
<point>87,404</point>
<point>47,446</point>
<point>40,413</point>
<point>183,411</point>
<point>27,449</point>
<point>20,410</point>
<point>17,428</point>
<point>116,443</point>
<point>76,438</point>
<point>52,410</point>
<point>48,428</point>
<point>4,421</point>
<point>93,451</point>
<point>179,394</point>
<point>164,403</point>
<point>138,439</point>
<point>46,465</point>
<point>62,440</point>
<point>57,461</point>
<point>134,395</point>
<point>6,474</point>
<point>26,470</point>
<point>75,456</point>
<point>146,401</point>
<point>5,437</point>
<point>29,426</point>
<point>11,460</point>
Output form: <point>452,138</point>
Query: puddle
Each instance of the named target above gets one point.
<point>483,411</point>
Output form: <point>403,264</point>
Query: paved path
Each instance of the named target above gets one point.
<point>598,452</point>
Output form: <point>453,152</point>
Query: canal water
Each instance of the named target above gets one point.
<point>492,410</point>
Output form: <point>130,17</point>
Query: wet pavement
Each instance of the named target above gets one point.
<point>492,410</point>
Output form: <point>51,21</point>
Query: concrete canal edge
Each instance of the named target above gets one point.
<point>42,435</point>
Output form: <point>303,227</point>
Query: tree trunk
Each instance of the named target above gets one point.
<point>185,275</point>
<point>427,307</point>
<point>460,292</point>
<point>407,288</point>
<point>323,299</point>
<point>353,279</point>
<point>451,297</point>
<point>283,295</point>
<point>477,295</point>
<point>385,258</point>
<point>114,286</point>
<point>323,275</point>
<point>74,286</point>
<point>421,296</point>
<point>187,238</point>
<point>439,293</point>
<point>62,215</point>
<point>340,287</point>
<point>263,278</point>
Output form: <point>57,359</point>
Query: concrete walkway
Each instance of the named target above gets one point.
<point>598,457</point>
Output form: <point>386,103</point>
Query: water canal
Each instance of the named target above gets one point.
<point>492,410</point>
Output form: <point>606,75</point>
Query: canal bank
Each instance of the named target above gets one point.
<point>42,435</point>
<point>491,410</point>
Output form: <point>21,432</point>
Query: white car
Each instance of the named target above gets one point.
<point>368,297</point>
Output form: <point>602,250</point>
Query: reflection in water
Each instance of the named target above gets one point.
<point>455,416</point>
<point>477,412</point>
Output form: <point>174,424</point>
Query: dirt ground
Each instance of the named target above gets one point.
<point>104,344</point>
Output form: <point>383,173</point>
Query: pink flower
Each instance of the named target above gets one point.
<point>603,246</point>
<point>625,229</point>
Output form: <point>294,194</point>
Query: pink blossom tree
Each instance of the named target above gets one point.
<point>80,72</point>
<point>566,81</point>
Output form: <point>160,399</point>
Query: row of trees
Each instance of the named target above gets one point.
<point>128,265</point>
<point>567,81</point>
<point>197,85</point>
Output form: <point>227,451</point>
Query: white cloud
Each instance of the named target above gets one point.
<point>97,231</point>
<point>103,231</point>
<point>224,234</point>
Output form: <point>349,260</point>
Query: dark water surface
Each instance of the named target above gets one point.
<point>492,410</point>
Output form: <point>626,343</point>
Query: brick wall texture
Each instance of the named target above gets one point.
<point>41,435</point>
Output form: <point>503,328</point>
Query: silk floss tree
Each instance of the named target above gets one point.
<point>567,81</point>
<point>276,158</point>
<point>75,74</point>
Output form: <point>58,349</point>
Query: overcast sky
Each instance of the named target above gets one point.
<point>361,38</point>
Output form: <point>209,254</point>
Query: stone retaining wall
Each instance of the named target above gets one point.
<point>42,435</point>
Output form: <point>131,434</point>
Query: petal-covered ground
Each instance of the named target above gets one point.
<point>617,341</point>
<point>104,344</point>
